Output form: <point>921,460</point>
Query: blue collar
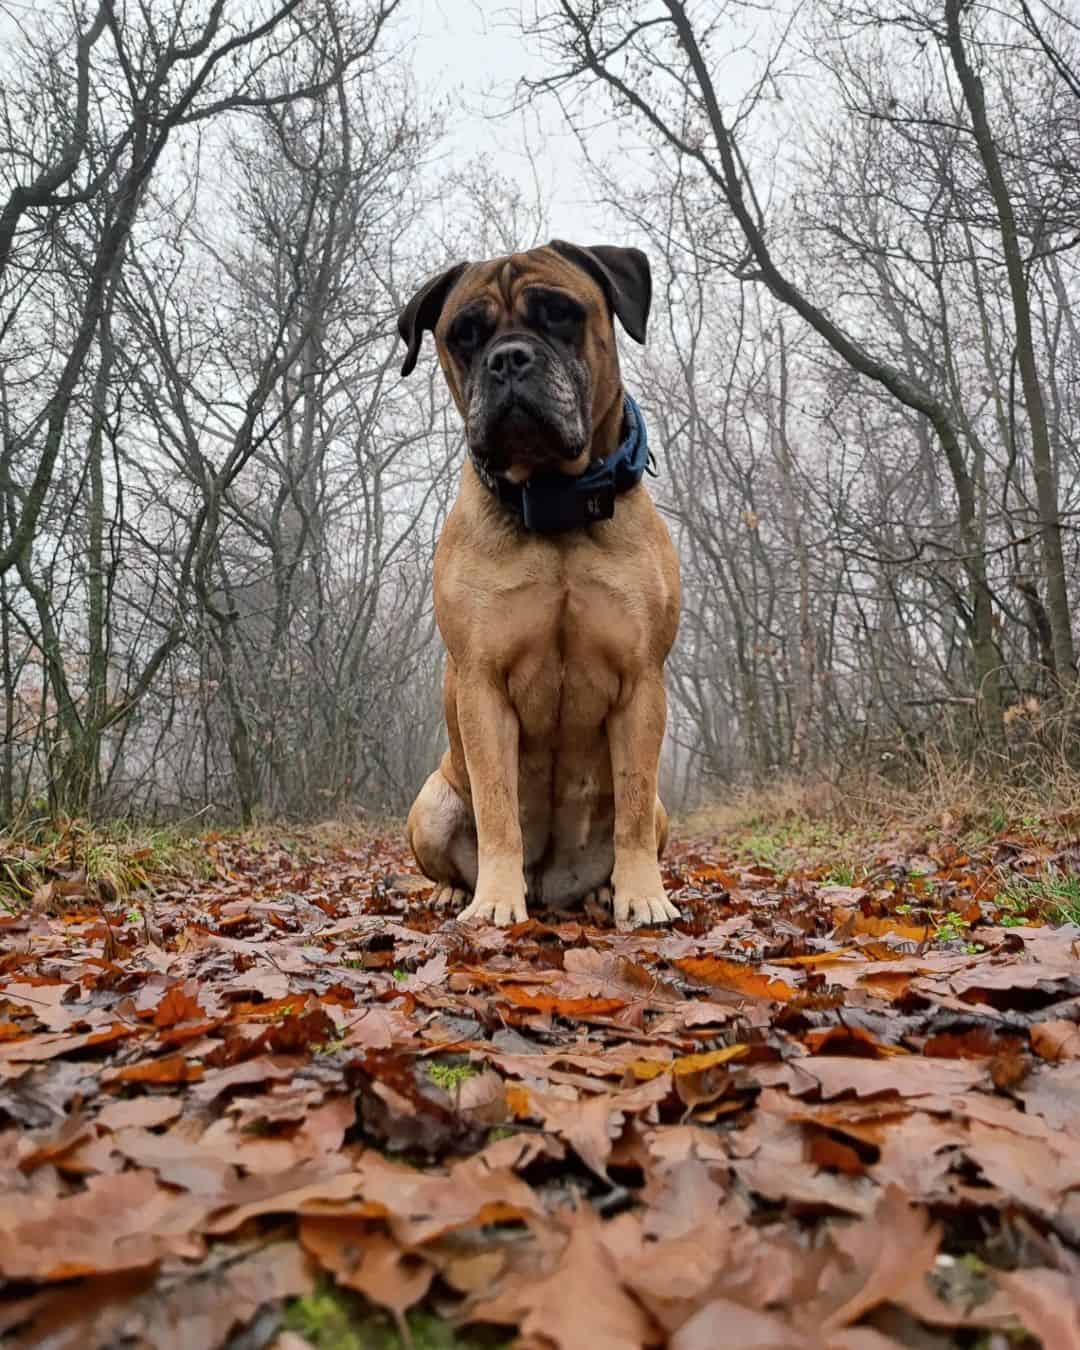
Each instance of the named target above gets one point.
<point>551,502</point>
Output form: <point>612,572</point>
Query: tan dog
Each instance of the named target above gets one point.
<point>557,634</point>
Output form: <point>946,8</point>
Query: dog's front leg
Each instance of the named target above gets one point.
<point>635,732</point>
<point>489,737</point>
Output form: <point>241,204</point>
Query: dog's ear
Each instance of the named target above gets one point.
<point>624,277</point>
<point>423,310</point>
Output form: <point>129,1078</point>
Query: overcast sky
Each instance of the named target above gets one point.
<point>472,51</point>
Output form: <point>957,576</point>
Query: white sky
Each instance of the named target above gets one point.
<point>472,51</point>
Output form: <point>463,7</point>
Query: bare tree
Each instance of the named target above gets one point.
<point>218,505</point>
<point>659,66</point>
<point>69,234</point>
<point>1016,266</point>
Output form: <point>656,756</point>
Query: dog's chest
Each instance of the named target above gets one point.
<point>577,635</point>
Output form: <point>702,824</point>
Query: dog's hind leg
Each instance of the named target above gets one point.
<point>442,836</point>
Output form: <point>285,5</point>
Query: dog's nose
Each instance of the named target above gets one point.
<point>510,360</point>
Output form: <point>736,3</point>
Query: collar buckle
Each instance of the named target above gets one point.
<point>550,512</point>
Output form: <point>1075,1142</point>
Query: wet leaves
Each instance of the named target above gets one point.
<point>788,1121</point>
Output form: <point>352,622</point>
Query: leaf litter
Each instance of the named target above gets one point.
<point>806,1116</point>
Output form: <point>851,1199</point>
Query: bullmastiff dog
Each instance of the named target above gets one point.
<point>556,594</point>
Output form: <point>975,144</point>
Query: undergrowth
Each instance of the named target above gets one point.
<point>111,861</point>
<point>115,860</point>
<point>857,837</point>
<point>450,1076</point>
<point>802,821</point>
<point>1051,894</point>
<point>334,1319</point>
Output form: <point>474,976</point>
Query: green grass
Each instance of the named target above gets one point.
<point>333,1319</point>
<point>997,819</point>
<point>19,878</point>
<point>801,843</point>
<point>948,925</point>
<point>951,927</point>
<point>450,1076</point>
<point>1052,894</point>
<point>842,874</point>
<point>117,859</point>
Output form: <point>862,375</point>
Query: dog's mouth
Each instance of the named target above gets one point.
<point>515,434</point>
<point>523,432</point>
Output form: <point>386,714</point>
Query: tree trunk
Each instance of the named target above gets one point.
<point>1057,595</point>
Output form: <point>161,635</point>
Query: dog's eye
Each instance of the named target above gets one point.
<point>556,311</point>
<point>468,332</point>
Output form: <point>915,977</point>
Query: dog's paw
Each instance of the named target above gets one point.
<point>598,899</point>
<point>638,911</point>
<point>502,910</point>
<point>445,896</point>
<point>641,900</point>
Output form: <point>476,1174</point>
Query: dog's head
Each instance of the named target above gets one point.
<point>527,345</point>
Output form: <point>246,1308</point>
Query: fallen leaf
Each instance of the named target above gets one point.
<point>1048,1305</point>
<point>177,1006</point>
<point>138,1111</point>
<point>886,1253</point>
<point>735,975</point>
<point>645,1069</point>
<point>579,1301</point>
<point>369,1262</point>
<point>754,1112</point>
<point>1055,1040</point>
<point>117,1223</point>
<point>169,1069</point>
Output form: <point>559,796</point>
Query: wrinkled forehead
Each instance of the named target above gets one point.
<point>501,282</point>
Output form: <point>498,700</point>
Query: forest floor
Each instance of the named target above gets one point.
<point>278,1101</point>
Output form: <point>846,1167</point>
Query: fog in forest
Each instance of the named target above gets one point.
<point>219,500</point>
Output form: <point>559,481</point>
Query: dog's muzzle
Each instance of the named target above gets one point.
<point>524,408</point>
